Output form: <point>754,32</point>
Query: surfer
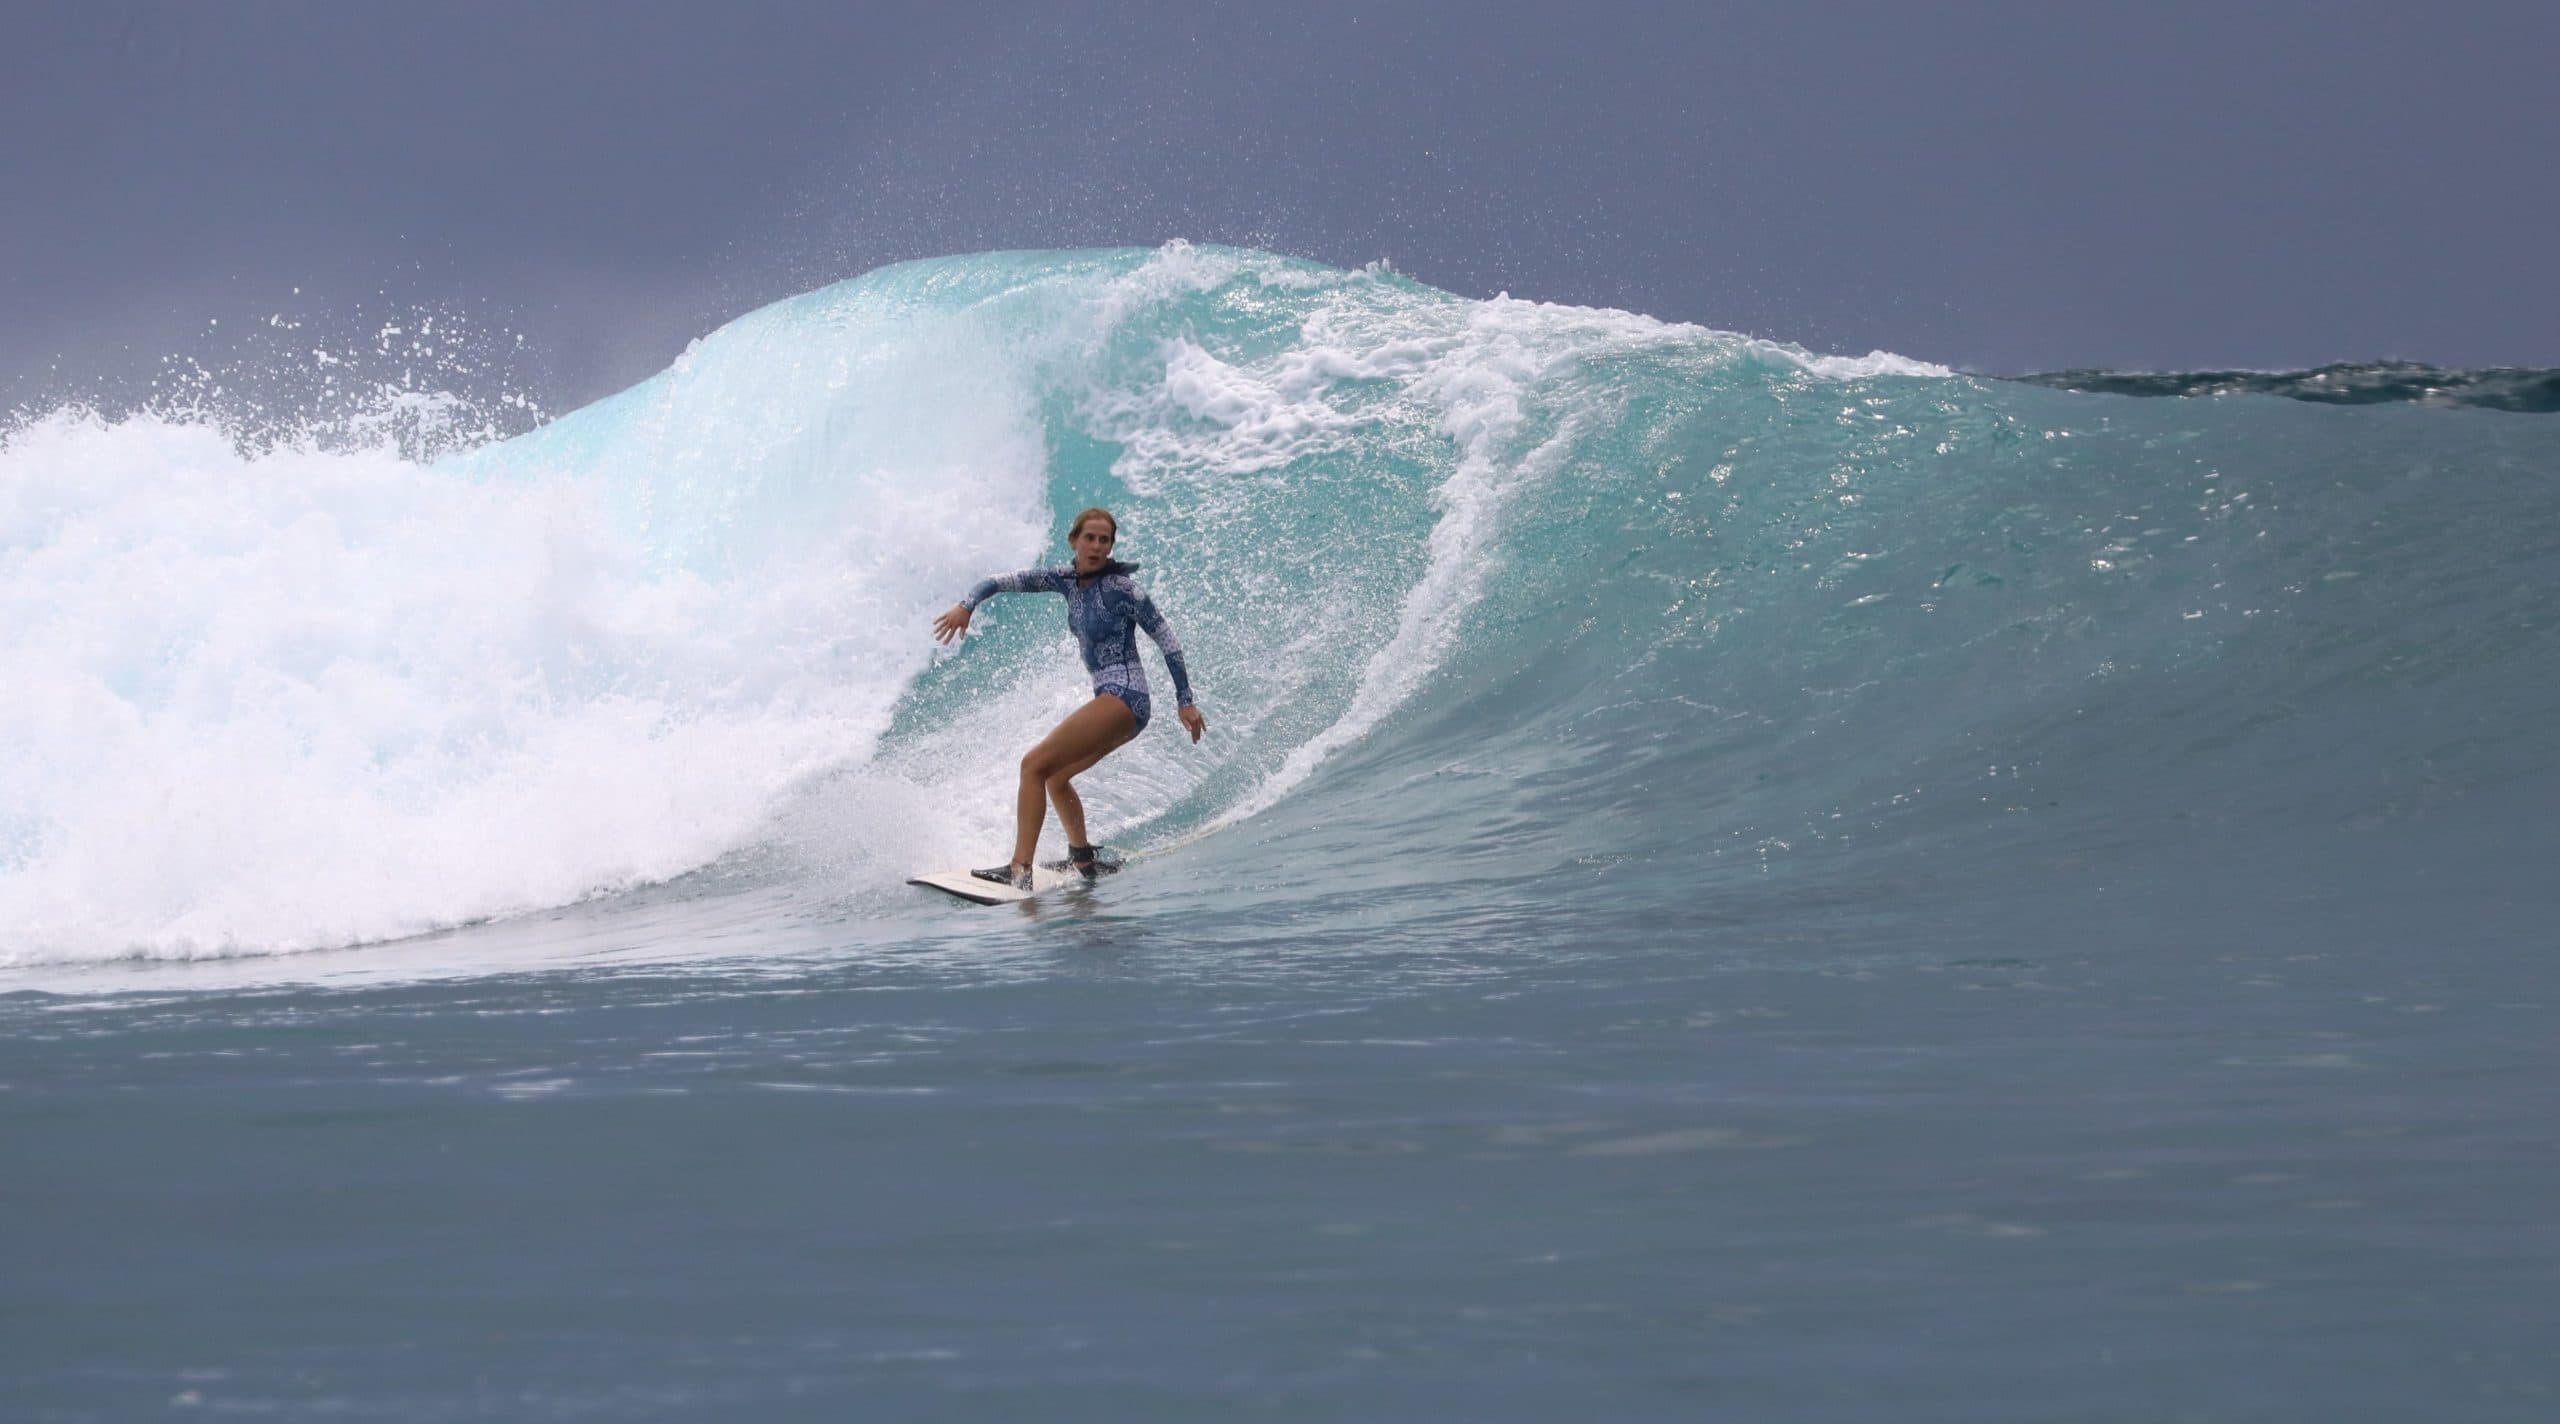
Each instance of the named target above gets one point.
<point>1104,607</point>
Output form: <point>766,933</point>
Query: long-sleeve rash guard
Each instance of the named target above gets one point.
<point>1102,613</point>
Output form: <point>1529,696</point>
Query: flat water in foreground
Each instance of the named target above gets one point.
<point>1829,1155</point>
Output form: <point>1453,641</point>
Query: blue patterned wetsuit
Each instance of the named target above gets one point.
<point>1104,612</point>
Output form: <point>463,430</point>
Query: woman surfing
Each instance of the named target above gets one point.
<point>1105,607</point>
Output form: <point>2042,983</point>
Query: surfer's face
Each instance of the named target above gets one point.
<point>1093,542</point>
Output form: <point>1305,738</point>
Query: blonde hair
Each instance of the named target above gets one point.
<point>1077,525</point>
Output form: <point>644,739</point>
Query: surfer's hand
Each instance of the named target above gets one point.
<point>1193,722</point>
<point>951,624</point>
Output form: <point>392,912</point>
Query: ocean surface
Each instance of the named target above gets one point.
<point>1723,882</point>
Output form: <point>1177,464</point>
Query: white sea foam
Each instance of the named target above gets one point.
<point>1858,368</point>
<point>307,698</point>
<point>317,696</point>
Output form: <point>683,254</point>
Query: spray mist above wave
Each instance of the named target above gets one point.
<point>424,381</point>
<point>289,693</point>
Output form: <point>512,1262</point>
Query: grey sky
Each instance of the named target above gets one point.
<point>2003,187</point>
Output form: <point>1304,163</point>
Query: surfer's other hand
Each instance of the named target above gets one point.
<point>1193,722</point>
<point>951,624</point>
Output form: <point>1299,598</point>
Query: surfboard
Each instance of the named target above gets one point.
<point>989,892</point>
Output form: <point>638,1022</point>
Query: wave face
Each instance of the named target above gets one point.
<point>1571,607</point>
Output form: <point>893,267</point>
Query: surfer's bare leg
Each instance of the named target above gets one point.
<point>1089,734</point>
<point>1061,783</point>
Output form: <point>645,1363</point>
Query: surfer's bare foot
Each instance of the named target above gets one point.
<point>1017,876</point>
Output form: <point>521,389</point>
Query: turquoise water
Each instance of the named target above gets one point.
<point>1722,880</point>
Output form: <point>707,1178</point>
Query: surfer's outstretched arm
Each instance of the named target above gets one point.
<point>955,620</point>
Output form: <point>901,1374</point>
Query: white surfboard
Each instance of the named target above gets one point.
<point>990,892</point>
